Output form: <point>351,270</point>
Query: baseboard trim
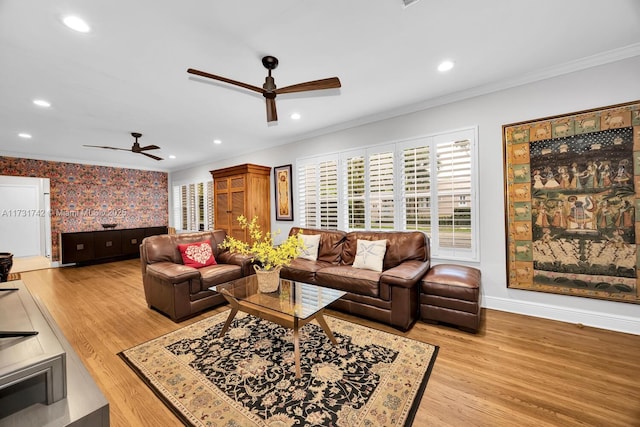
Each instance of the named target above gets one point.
<point>626,324</point>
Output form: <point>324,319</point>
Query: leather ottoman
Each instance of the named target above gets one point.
<point>451,294</point>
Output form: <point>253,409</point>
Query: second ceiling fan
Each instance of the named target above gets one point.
<point>269,89</point>
<point>135,148</point>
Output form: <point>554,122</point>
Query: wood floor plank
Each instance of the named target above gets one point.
<point>517,371</point>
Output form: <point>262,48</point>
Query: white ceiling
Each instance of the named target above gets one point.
<point>129,73</point>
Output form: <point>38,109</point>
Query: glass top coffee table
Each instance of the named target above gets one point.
<point>293,305</point>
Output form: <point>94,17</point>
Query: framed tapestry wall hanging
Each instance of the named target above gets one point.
<point>572,190</point>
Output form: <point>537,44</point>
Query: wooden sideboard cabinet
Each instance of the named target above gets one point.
<point>88,246</point>
<point>241,190</point>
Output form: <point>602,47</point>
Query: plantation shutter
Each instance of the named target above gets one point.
<point>192,207</point>
<point>453,174</point>
<point>355,192</point>
<point>209,205</point>
<point>185,208</point>
<point>328,194</point>
<point>381,191</point>
<point>177,206</point>
<point>307,195</point>
<point>416,194</point>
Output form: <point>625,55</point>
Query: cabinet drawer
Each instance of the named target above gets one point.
<point>77,247</point>
<point>107,243</point>
<point>131,239</point>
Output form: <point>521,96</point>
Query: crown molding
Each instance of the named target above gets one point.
<point>603,58</point>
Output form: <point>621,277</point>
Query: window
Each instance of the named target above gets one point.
<point>318,193</point>
<point>439,191</point>
<point>426,184</point>
<point>381,191</point>
<point>193,206</point>
<point>355,192</point>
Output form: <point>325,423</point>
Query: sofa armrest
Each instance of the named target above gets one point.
<point>244,261</point>
<point>172,273</point>
<point>406,275</point>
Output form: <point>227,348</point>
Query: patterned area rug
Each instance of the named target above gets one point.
<point>371,378</point>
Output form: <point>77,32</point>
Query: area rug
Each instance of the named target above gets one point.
<point>247,377</point>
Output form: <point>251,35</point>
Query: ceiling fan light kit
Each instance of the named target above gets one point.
<point>135,148</point>
<point>269,89</point>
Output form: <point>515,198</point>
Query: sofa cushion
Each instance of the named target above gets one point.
<point>218,274</point>
<point>310,242</point>
<point>370,254</point>
<point>197,255</point>
<point>330,247</point>
<point>349,279</point>
<point>302,270</point>
<point>401,246</point>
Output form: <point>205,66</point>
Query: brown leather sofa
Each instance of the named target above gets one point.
<point>390,296</point>
<point>180,291</point>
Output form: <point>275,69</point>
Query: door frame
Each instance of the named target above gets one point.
<point>43,209</point>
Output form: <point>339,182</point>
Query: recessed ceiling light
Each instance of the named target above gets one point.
<point>24,135</point>
<point>42,103</point>
<point>171,156</point>
<point>217,141</point>
<point>445,66</point>
<point>296,116</point>
<point>76,24</point>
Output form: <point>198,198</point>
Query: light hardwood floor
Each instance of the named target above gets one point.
<point>518,371</point>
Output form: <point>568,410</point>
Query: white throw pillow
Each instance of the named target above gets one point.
<point>370,254</point>
<point>311,243</point>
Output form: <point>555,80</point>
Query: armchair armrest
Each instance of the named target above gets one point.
<point>406,275</point>
<point>235,258</point>
<point>172,273</point>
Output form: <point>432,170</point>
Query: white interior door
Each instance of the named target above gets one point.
<point>24,219</point>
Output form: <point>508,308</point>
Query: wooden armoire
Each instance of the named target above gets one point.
<point>241,190</point>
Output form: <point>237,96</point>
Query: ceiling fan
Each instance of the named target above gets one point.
<point>269,89</point>
<point>135,148</point>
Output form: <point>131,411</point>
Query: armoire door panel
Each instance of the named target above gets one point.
<point>242,190</point>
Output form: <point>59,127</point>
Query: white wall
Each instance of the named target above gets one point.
<point>595,87</point>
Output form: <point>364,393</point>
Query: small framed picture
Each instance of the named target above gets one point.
<point>284,193</point>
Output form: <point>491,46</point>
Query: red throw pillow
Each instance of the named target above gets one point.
<point>197,255</point>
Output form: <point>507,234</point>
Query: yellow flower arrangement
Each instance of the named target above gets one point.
<point>261,249</point>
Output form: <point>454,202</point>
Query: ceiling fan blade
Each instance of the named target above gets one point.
<point>108,148</point>
<point>330,83</point>
<point>272,114</point>
<point>151,155</point>
<point>149,147</point>
<point>226,80</point>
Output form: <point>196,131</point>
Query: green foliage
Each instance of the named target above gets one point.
<point>461,217</point>
<point>261,249</point>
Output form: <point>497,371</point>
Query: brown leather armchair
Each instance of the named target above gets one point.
<point>181,291</point>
